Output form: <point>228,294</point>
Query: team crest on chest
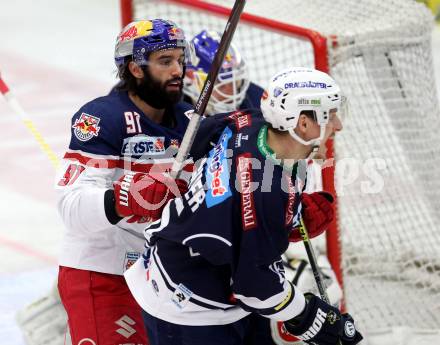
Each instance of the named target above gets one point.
<point>130,259</point>
<point>86,127</point>
<point>174,143</point>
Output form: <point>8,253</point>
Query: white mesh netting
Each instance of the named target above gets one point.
<point>388,173</point>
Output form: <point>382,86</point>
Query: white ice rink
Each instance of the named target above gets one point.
<point>55,56</point>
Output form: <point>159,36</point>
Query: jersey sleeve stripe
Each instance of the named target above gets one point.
<point>104,163</point>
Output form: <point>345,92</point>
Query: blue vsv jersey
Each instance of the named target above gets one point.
<point>110,136</point>
<point>216,253</point>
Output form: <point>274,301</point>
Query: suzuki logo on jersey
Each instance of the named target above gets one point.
<point>217,172</point>
<point>143,144</point>
<point>125,323</point>
<point>244,175</point>
<point>86,127</point>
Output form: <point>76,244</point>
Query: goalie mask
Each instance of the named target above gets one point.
<point>299,89</point>
<point>232,82</point>
<point>138,39</point>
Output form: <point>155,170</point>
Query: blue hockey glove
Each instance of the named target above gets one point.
<point>322,324</point>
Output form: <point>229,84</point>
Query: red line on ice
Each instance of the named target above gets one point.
<point>20,247</point>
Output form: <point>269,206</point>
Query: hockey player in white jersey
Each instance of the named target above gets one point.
<point>215,255</point>
<point>117,139</point>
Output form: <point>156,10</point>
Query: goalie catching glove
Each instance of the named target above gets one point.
<point>145,195</point>
<point>317,213</point>
<point>322,324</point>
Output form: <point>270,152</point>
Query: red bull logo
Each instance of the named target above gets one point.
<point>159,145</point>
<point>175,34</point>
<point>229,61</point>
<point>86,127</point>
<point>175,143</point>
<point>142,28</point>
<point>128,34</point>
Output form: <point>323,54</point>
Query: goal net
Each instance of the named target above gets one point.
<point>387,175</point>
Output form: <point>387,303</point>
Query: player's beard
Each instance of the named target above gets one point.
<point>154,92</point>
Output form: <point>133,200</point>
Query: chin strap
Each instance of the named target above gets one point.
<point>312,142</point>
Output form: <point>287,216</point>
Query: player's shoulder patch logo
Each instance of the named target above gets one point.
<point>130,259</point>
<point>86,127</point>
<point>241,119</point>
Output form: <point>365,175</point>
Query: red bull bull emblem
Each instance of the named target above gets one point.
<point>159,145</point>
<point>229,61</point>
<point>174,143</point>
<point>86,127</point>
<point>128,34</point>
<point>175,34</point>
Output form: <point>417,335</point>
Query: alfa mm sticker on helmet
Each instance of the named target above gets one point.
<point>86,127</point>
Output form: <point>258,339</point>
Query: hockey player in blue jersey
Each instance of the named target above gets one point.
<point>233,89</point>
<point>116,140</point>
<point>215,256</point>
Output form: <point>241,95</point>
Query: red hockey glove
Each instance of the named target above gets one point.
<point>145,195</point>
<point>317,212</point>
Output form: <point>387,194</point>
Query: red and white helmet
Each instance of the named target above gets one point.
<point>298,89</point>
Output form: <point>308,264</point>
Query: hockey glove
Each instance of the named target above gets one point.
<point>145,195</point>
<point>322,324</point>
<point>317,213</point>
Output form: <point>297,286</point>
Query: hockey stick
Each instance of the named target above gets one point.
<point>208,86</point>
<point>301,176</point>
<point>13,103</point>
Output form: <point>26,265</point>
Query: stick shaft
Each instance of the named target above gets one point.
<point>16,107</point>
<point>203,100</point>
<point>300,182</point>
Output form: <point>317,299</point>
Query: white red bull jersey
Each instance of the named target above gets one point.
<point>110,136</point>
